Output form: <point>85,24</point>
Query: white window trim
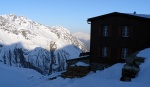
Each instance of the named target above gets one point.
<point>104,51</point>
<point>124,53</point>
<point>105,31</point>
<point>125,31</point>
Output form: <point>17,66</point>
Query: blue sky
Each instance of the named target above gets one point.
<point>72,14</point>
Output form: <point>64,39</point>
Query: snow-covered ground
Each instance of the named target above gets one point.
<point>18,77</point>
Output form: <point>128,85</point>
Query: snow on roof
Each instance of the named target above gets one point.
<point>140,15</point>
<point>81,64</point>
<point>130,14</point>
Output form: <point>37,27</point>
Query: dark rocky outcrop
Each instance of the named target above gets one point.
<point>131,68</point>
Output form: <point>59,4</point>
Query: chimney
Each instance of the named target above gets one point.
<point>134,12</point>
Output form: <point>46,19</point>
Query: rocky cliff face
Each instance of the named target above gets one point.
<point>28,44</point>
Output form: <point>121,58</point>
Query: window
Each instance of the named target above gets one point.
<point>104,51</point>
<point>105,31</point>
<point>125,31</point>
<point>124,53</point>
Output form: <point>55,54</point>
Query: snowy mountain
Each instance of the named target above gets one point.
<point>83,37</point>
<point>28,44</point>
<point>110,77</point>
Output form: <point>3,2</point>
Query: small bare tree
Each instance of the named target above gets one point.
<point>53,47</point>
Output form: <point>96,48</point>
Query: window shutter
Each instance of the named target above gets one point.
<point>100,31</point>
<point>109,52</point>
<point>110,30</point>
<point>119,53</point>
<point>99,52</point>
<point>119,31</point>
<point>130,51</point>
<point>130,31</point>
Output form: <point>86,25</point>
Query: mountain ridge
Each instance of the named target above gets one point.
<point>84,38</point>
<point>43,47</point>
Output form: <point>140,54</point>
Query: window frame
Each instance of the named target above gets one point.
<point>124,52</point>
<point>125,31</point>
<point>104,51</point>
<point>105,31</point>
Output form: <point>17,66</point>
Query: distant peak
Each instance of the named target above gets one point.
<point>12,14</point>
<point>8,15</point>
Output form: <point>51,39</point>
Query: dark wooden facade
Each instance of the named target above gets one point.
<point>138,36</point>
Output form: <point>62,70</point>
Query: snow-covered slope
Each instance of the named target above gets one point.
<point>17,77</point>
<point>83,37</point>
<point>109,77</point>
<point>25,43</point>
